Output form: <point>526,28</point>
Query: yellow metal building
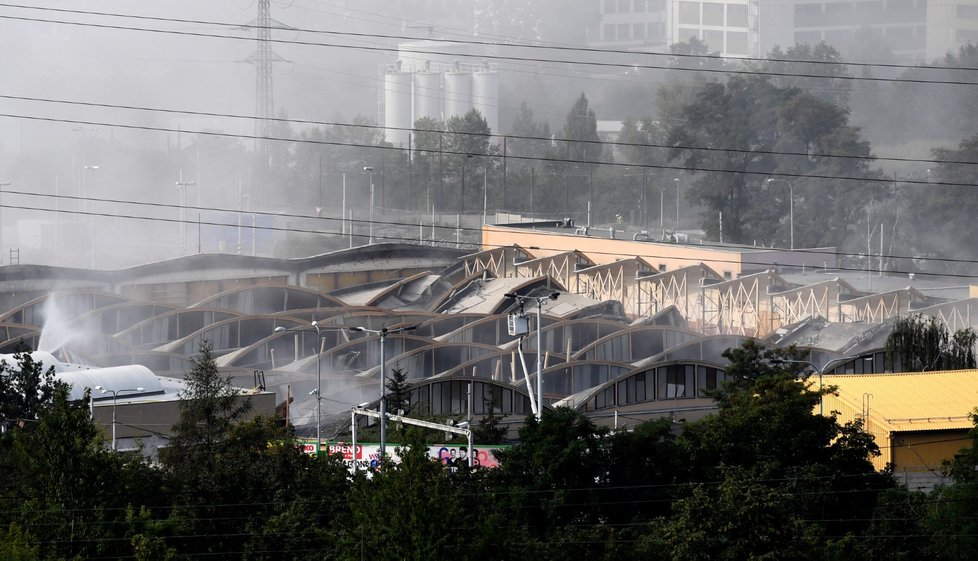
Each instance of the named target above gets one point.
<point>919,419</point>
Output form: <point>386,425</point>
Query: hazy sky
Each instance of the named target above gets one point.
<point>118,66</point>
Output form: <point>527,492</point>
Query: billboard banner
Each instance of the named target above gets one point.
<point>367,455</point>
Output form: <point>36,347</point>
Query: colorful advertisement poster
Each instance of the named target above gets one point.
<point>367,455</point>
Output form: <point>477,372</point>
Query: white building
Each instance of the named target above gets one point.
<point>915,30</point>
<point>437,80</point>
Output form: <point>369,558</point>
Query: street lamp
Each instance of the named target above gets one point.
<point>539,304</point>
<point>383,333</point>
<point>91,217</point>
<point>2,185</point>
<point>676,181</point>
<point>370,218</point>
<point>821,371</point>
<point>115,395</point>
<point>791,207</point>
<point>320,333</point>
<point>182,186</point>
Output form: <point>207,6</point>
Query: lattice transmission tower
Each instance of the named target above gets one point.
<point>263,58</point>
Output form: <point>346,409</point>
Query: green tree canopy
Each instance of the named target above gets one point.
<point>765,130</point>
<point>920,344</point>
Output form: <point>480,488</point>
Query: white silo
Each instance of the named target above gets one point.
<point>397,107</point>
<point>457,94</point>
<point>485,97</point>
<point>427,96</point>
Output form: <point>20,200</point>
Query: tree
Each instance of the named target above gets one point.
<point>209,406</point>
<point>467,136</point>
<point>946,194</point>
<point>950,513</point>
<point>196,474</point>
<point>739,518</point>
<point>398,393</point>
<point>531,138</point>
<point>554,468</point>
<point>766,443</point>
<point>489,429</point>
<point>818,70</point>
<point>920,344</point>
<point>762,130</point>
<point>421,507</point>
<point>581,145</point>
<point>25,389</point>
<point>636,137</point>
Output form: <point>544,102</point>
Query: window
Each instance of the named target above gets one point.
<point>657,30</point>
<point>727,275</point>
<point>966,35</point>
<point>838,37</point>
<point>736,15</point>
<point>689,13</point>
<point>713,39</point>
<point>807,15</point>
<point>609,6</point>
<point>662,267</point>
<point>675,380</point>
<point>838,8</point>
<point>609,32</point>
<point>641,393</point>
<point>807,37</point>
<point>708,379</point>
<point>712,13</point>
<point>638,31</point>
<point>623,6</point>
<point>638,6</point>
<point>737,43</point>
<point>623,31</point>
<point>684,34</point>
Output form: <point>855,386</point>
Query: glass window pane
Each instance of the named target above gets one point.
<point>737,43</point>
<point>736,15</point>
<point>712,13</point>
<point>689,13</point>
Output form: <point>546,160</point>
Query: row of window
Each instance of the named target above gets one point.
<point>813,15</point>
<point>727,42</point>
<point>451,398</point>
<point>639,6</point>
<point>633,31</point>
<point>713,13</point>
<point>897,38</point>
<point>675,381</point>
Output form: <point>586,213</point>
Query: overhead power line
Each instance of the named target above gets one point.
<point>475,134</point>
<point>821,253</point>
<point>486,56</point>
<point>508,43</point>
<point>676,168</point>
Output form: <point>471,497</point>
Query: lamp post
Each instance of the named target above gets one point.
<point>182,186</point>
<point>2,185</point>
<point>821,371</point>
<point>791,208</point>
<point>115,395</point>
<point>676,181</point>
<point>539,300</point>
<point>320,333</point>
<point>370,217</point>
<point>383,333</point>
<point>485,189</point>
<point>88,207</point>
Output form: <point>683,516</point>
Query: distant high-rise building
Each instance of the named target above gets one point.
<point>653,25</point>
<point>913,30</point>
